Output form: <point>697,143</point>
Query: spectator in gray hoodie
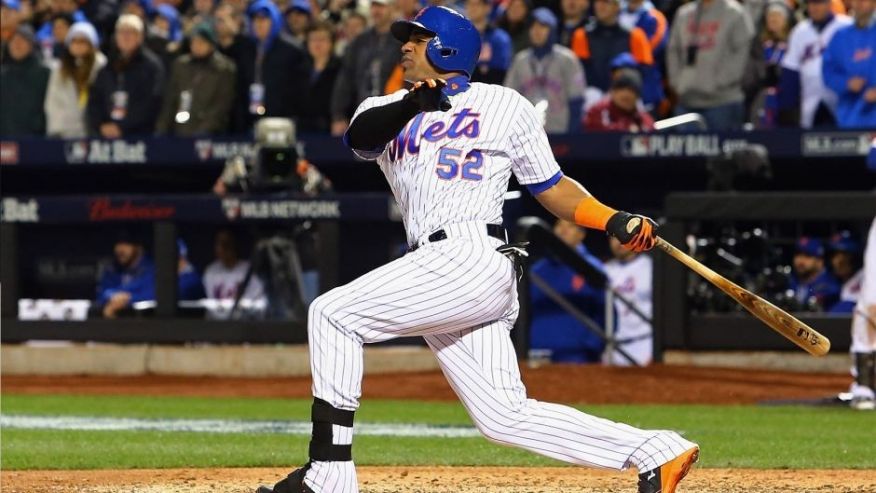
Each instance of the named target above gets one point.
<point>708,49</point>
<point>549,75</point>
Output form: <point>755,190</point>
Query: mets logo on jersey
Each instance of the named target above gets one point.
<point>465,124</point>
<point>811,52</point>
<point>862,54</point>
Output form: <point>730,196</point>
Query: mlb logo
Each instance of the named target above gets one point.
<point>8,152</point>
<point>204,149</point>
<point>231,208</point>
<point>76,151</point>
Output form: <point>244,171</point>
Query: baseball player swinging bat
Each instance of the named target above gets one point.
<point>777,319</point>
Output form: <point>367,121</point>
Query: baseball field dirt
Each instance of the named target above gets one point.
<point>439,480</point>
<point>590,384</point>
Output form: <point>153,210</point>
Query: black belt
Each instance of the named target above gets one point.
<point>494,230</point>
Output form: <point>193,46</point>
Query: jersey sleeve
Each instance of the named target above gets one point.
<point>532,159</point>
<point>791,60</point>
<point>367,104</point>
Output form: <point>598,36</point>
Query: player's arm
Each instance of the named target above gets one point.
<point>569,200</point>
<point>374,127</point>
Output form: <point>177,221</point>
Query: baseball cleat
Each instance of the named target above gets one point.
<point>293,483</point>
<point>665,478</point>
<point>863,403</point>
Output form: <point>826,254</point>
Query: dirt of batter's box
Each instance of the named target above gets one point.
<point>441,480</point>
<point>594,384</point>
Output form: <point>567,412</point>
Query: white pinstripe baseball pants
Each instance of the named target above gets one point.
<point>460,294</point>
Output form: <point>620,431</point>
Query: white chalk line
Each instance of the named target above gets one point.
<point>94,423</point>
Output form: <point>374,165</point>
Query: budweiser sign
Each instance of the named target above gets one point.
<point>104,209</point>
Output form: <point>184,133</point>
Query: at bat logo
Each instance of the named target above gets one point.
<point>465,124</point>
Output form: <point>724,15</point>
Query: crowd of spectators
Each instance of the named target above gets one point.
<point>117,68</point>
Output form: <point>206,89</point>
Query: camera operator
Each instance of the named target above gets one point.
<point>278,165</point>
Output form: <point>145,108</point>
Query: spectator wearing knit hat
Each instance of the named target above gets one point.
<point>200,93</point>
<point>549,75</point>
<point>10,16</point>
<point>200,12</point>
<point>619,111</point>
<point>70,83</point>
<point>23,80</point>
<point>271,70</point>
<point>164,35</point>
<point>298,16</point>
<point>126,94</point>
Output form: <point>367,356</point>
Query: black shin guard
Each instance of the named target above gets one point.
<point>865,367</point>
<point>322,447</point>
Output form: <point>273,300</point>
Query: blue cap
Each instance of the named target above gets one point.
<point>12,4</point>
<point>810,246</point>
<point>844,242</point>
<point>299,6</point>
<point>182,248</point>
<point>543,15</point>
<point>624,60</point>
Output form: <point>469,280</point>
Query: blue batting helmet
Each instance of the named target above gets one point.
<point>455,45</point>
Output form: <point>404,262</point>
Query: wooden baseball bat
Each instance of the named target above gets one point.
<point>777,319</point>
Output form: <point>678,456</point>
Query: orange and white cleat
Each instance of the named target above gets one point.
<point>665,478</point>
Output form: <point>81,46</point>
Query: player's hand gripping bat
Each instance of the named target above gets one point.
<point>777,319</point>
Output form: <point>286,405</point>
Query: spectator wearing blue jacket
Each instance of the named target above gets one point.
<point>643,14</point>
<point>189,283</point>
<point>813,285</point>
<point>131,277</point>
<point>552,328</point>
<point>849,68</point>
<point>496,49</point>
<point>846,262</point>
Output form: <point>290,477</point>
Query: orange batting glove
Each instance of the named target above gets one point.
<point>635,232</point>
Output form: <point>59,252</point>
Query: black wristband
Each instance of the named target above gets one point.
<point>617,227</point>
<point>374,127</point>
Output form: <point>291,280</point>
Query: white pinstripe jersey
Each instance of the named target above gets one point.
<point>450,167</point>
<point>805,46</point>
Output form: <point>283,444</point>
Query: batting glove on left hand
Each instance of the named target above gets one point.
<point>636,232</point>
<point>428,95</point>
